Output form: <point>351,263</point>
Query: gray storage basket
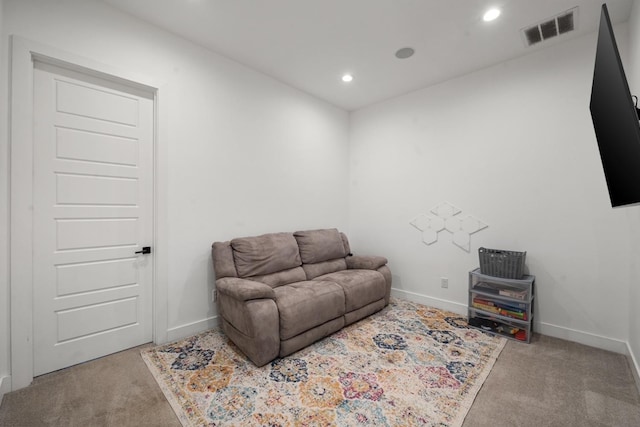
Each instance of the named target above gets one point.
<point>501,263</point>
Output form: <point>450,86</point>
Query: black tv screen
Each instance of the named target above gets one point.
<point>615,119</point>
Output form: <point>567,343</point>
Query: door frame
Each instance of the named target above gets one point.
<point>24,53</point>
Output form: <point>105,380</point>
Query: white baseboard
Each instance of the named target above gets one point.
<point>581,337</point>
<point>442,304</point>
<point>184,331</point>
<point>5,386</point>
<point>561,332</point>
<point>633,363</point>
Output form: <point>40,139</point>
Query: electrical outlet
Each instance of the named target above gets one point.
<point>444,282</point>
<point>214,295</point>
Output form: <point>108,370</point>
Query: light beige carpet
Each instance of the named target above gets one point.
<point>406,365</point>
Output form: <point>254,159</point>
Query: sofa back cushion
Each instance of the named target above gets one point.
<point>320,245</point>
<point>265,254</point>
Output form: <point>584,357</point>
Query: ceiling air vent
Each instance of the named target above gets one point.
<point>551,27</point>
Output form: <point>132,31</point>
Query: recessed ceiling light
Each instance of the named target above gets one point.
<point>404,53</point>
<point>491,14</point>
<point>347,78</point>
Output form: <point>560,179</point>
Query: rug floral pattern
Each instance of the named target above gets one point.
<point>408,365</point>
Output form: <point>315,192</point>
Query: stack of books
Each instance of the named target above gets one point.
<point>504,308</point>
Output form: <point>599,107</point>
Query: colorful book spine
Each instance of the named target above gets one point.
<point>514,314</point>
<point>484,301</point>
<point>498,307</point>
<point>485,307</point>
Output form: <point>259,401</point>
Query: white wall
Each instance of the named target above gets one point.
<point>633,76</point>
<point>514,146</point>
<point>247,154</point>
<point>4,243</point>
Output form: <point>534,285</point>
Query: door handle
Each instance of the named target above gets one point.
<point>145,250</point>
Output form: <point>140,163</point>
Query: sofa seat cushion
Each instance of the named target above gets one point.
<point>361,287</point>
<point>305,305</point>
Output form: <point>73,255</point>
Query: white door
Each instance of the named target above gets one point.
<point>93,201</point>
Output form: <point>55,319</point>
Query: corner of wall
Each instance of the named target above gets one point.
<point>5,381</point>
<point>581,337</point>
<point>5,386</point>
<point>194,328</point>
<point>633,365</point>
<point>633,75</point>
<point>440,303</point>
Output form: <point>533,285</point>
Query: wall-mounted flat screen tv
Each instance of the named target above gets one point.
<point>615,119</point>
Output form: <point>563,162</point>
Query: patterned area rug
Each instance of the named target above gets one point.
<point>406,365</point>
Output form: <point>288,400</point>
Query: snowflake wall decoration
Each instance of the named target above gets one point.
<point>447,217</point>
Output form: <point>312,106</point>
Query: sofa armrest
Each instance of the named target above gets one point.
<point>243,289</point>
<point>365,262</point>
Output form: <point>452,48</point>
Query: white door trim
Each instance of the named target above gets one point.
<point>23,55</point>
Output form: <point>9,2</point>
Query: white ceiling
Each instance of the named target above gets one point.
<point>310,44</point>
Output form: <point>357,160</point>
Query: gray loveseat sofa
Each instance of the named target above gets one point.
<point>280,292</point>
